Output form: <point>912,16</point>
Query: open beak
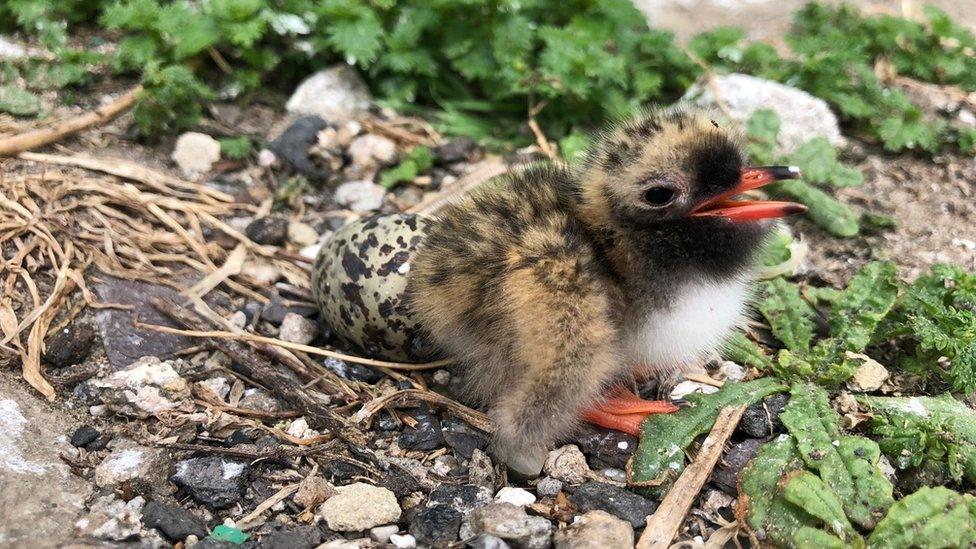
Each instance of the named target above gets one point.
<point>751,210</point>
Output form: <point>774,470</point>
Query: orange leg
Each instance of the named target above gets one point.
<point>624,411</point>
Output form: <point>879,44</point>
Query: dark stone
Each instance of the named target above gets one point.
<point>761,419</point>
<point>124,343</point>
<point>454,151</point>
<point>84,436</point>
<point>87,394</point>
<point>437,525</point>
<point>70,346</point>
<point>726,475</point>
<point>352,371</point>
<point>462,497</point>
<point>426,435</point>
<point>339,471</point>
<point>210,543</point>
<point>387,422</point>
<point>213,481</point>
<point>253,311</point>
<point>776,404</point>
<point>616,501</point>
<point>237,437</point>
<point>174,523</point>
<point>299,537</point>
<point>275,311</point>
<point>605,448</point>
<point>293,144</point>
<point>271,230</point>
<point>99,443</point>
<point>399,481</point>
<point>462,438</point>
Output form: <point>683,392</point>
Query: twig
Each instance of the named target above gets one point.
<point>38,138</point>
<point>280,495</point>
<point>469,181</point>
<point>256,367</point>
<point>701,378</point>
<point>410,396</point>
<point>664,524</point>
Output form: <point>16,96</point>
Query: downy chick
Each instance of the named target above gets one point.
<point>553,285</point>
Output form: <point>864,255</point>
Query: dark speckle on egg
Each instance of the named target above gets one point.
<point>359,279</point>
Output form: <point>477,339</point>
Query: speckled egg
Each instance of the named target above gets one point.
<point>359,279</point>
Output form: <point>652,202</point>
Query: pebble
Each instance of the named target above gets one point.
<point>454,151</point>
<point>726,475</point>
<point>69,346</point>
<point>437,525</point>
<point>461,497</point>
<point>110,518</point>
<point>462,439</point>
<point>312,491</point>
<point>360,196</point>
<point>548,487</point>
<point>360,506</point>
<point>84,436</point>
<point>302,234</point>
<point>617,501</point>
<point>616,475</point>
<point>195,153</point>
<point>605,447</point>
<point>267,158</point>
<point>173,522</point>
<point>426,435</point>
<point>510,524</point>
<point>757,423</point>
<point>219,385</point>
<point>295,537</point>
<point>442,377</point>
<point>213,481</point>
<point>480,469</point>
<point>299,429</point>
<point>515,496</point>
<point>352,371</point>
<point>259,399</point>
<point>802,116</point>
<point>127,461</point>
<point>298,329</point>
<point>405,541</point>
<point>381,534</point>
<point>262,272</point>
<point>270,230</point>
<point>567,464</point>
<point>146,388</point>
<point>371,151</point>
<point>595,530</point>
<point>732,371</point>
<point>485,541</point>
<point>293,144</point>
<point>870,375</point>
<point>337,92</point>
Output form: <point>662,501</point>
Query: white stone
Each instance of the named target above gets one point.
<point>334,93</point>
<point>146,388</point>
<point>802,115</point>
<point>195,153</point>
<point>112,519</point>
<point>220,385</point>
<point>358,507</point>
<point>302,234</point>
<point>360,196</point>
<point>262,272</point>
<point>128,461</point>
<point>405,541</point>
<point>686,388</point>
<point>870,375</point>
<point>369,151</point>
<point>267,158</point>
<point>441,377</point>
<point>295,328</point>
<point>515,496</point>
<point>381,534</point>
<point>733,371</point>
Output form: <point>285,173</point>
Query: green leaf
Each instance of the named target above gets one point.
<point>847,464</point>
<point>660,456</point>
<point>788,315</point>
<point>742,350</point>
<point>808,492</point>
<point>420,159</point>
<point>835,217</point>
<point>762,128</point>
<point>931,517</point>
<point>18,102</point>
<point>236,147</point>
<point>861,307</point>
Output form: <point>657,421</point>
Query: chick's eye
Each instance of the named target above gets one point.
<point>659,196</point>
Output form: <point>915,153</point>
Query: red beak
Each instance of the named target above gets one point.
<point>751,210</point>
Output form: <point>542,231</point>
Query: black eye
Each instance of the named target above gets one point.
<point>659,196</point>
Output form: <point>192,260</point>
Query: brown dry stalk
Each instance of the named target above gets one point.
<point>664,524</point>
<point>38,138</point>
<point>407,397</point>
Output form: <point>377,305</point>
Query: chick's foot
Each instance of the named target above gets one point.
<point>624,411</point>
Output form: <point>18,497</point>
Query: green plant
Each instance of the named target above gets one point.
<point>418,160</point>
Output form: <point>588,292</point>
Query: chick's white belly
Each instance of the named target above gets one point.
<point>697,321</point>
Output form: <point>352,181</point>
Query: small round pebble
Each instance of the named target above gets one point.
<point>516,496</point>
<point>84,436</point>
<point>405,541</point>
<point>549,486</point>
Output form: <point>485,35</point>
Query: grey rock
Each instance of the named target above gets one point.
<point>463,439</point>
<point>454,151</point>
<point>352,371</point>
<point>360,196</point>
<point>128,461</point>
<point>297,329</point>
<point>84,436</point>
<point>595,530</point>
<point>145,388</point>
<point>437,525</point>
<point>461,497</point>
<point>726,475</point>
<point>614,500</point>
<point>369,152</point>
<point>259,399</point>
<point>111,519</point>
<point>510,524</point>
<point>426,435</point>
<point>485,541</point>
<point>802,115</point>
<point>70,346</point>
<point>337,92</point>
<point>548,487</point>
<point>605,447</point>
<point>213,481</point>
<point>174,523</point>
<point>567,464</point>
<point>269,230</point>
<point>762,418</point>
